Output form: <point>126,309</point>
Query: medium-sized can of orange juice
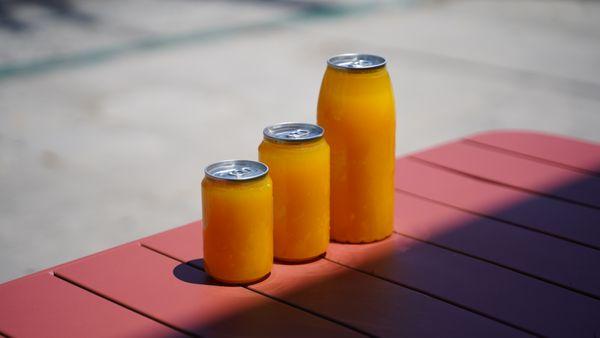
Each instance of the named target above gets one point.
<point>237,207</point>
<point>298,158</point>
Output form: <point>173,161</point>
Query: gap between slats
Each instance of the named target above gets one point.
<point>506,185</point>
<point>529,157</point>
<point>114,301</point>
<point>371,275</point>
<point>321,316</point>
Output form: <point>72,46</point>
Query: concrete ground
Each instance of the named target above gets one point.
<point>109,110</point>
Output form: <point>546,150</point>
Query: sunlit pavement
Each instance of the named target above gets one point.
<point>109,110</point>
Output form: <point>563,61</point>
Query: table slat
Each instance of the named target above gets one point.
<point>562,219</point>
<point>577,154</point>
<point>516,171</point>
<point>371,304</point>
<point>42,305</point>
<point>186,298</point>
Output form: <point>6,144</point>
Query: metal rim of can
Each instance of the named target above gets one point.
<point>356,61</point>
<point>236,170</point>
<point>293,132</point>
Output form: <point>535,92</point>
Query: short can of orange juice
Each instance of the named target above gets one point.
<point>356,108</point>
<point>237,207</point>
<point>298,158</point>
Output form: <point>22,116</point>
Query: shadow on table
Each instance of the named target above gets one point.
<point>458,280</point>
<point>189,274</point>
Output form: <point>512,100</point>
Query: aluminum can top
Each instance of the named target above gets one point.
<point>236,170</point>
<point>292,132</point>
<point>355,61</point>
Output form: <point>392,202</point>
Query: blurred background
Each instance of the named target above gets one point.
<point>110,110</point>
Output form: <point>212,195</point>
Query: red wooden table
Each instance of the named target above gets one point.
<point>497,234</point>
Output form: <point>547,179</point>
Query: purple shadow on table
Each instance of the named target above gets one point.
<point>449,268</point>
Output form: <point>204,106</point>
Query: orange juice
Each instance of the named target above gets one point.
<point>237,207</point>
<point>298,158</point>
<point>356,109</point>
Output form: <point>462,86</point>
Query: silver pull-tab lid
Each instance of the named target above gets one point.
<point>356,61</point>
<point>236,170</point>
<point>291,132</point>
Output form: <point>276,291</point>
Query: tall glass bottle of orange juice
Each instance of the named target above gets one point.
<point>356,109</point>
